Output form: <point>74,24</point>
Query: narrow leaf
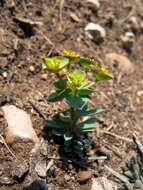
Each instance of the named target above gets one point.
<point>88,124</point>
<point>85,63</point>
<point>55,124</point>
<point>60,85</point>
<point>68,136</point>
<point>58,95</point>
<point>76,102</point>
<point>85,92</point>
<point>82,113</point>
<point>58,132</point>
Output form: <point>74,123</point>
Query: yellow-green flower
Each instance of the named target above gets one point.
<point>54,64</point>
<point>77,78</point>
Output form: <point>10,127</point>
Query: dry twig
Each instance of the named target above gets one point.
<point>60,14</point>
<point>119,176</point>
<point>116,136</point>
<point>3,141</point>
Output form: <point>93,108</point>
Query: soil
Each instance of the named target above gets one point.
<point>49,27</point>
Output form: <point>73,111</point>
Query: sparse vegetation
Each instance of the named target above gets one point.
<point>75,89</point>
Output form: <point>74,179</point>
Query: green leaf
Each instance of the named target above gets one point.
<point>85,92</point>
<point>55,124</point>
<point>58,95</point>
<point>58,132</point>
<point>77,78</point>
<point>102,73</point>
<point>60,85</point>
<point>129,174</point>
<point>87,125</point>
<point>85,63</point>
<point>54,64</point>
<point>65,117</point>
<point>82,113</point>
<point>68,136</point>
<point>76,102</point>
<point>101,76</point>
<point>86,131</point>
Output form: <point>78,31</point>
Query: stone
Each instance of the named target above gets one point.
<point>102,183</point>
<point>37,185</point>
<point>44,76</point>
<point>6,181</point>
<point>95,3</point>
<point>32,69</point>
<point>41,168</point>
<point>20,169</point>
<point>84,175</point>
<point>4,74</point>
<point>96,185</point>
<point>95,32</point>
<point>134,23</point>
<point>19,127</point>
<point>123,63</point>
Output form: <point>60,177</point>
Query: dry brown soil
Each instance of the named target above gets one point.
<point>52,26</point>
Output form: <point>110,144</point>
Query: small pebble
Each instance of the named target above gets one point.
<point>140,93</point>
<point>4,74</point>
<point>95,3</point>
<point>84,175</point>
<point>44,76</point>
<point>95,32</point>
<point>32,69</point>
<point>6,181</point>
<point>67,177</point>
<point>70,166</point>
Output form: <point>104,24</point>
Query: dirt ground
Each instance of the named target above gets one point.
<point>53,25</point>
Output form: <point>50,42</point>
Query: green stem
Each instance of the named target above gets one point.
<point>73,117</point>
<point>90,85</point>
<point>59,77</point>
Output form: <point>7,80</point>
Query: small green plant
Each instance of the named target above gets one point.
<point>74,88</point>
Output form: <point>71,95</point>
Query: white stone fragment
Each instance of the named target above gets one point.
<point>19,125</point>
<point>94,2</point>
<point>95,31</point>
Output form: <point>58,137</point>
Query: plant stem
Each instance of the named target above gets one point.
<point>59,77</point>
<point>90,85</point>
<point>73,117</point>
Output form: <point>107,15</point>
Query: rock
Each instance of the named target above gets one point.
<point>127,40</point>
<point>41,168</point>
<point>84,175</point>
<point>95,3</point>
<point>124,64</point>
<point>75,18</point>
<point>19,125</point>
<point>96,185</point>
<point>44,76</point>
<point>140,93</point>
<point>102,183</point>
<point>20,170</point>
<point>6,181</point>
<point>32,69</point>
<point>37,185</point>
<point>134,23</point>
<point>4,74</point>
<point>95,32</point>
